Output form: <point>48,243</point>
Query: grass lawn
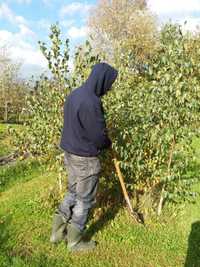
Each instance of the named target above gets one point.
<point>25,226</point>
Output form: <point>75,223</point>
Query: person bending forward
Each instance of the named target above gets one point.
<point>84,136</point>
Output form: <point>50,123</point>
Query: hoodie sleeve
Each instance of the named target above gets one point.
<point>93,122</point>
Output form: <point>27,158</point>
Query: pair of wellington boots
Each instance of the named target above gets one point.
<point>63,230</point>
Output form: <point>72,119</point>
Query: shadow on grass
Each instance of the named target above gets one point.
<point>16,256</point>
<point>193,252</point>
<point>109,201</point>
<point>21,171</point>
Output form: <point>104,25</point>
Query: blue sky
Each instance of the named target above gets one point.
<point>24,22</point>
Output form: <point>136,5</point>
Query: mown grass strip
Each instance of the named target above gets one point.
<point>121,242</point>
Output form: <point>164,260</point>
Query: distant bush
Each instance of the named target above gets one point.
<point>12,89</point>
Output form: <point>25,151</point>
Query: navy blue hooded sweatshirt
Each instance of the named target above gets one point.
<point>84,132</point>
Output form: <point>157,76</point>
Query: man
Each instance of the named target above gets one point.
<point>84,136</point>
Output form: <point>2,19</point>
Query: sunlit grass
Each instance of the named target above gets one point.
<point>25,225</point>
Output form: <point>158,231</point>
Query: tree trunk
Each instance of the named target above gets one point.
<point>6,112</point>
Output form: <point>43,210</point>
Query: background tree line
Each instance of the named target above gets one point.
<point>13,90</point>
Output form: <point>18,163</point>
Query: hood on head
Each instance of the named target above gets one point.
<point>101,78</point>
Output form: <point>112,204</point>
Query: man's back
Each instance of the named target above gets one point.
<point>84,131</point>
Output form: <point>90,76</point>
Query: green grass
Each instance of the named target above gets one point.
<point>25,226</point>
<point>17,173</point>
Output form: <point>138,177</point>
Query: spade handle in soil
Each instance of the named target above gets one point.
<point>121,179</point>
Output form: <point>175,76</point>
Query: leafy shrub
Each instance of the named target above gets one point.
<point>44,106</point>
<point>151,114</point>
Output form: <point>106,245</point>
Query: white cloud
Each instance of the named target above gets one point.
<point>174,6</point>
<point>7,14</point>
<point>178,11</point>
<point>190,24</point>
<point>67,23</point>
<point>75,8</point>
<point>25,31</point>
<point>19,45</point>
<point>75,32</point>
<point>21,51</point>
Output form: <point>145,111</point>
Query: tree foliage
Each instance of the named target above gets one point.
<point>152,113</point>
<point>122,26</point>
<point>43,113</point>
<point>12,89</point>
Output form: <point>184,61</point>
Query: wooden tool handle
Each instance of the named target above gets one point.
<point>121,179</point>
<point>138,217</point>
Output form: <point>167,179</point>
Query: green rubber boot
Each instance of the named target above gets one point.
<point>58,228</point>
<point>75,242</point>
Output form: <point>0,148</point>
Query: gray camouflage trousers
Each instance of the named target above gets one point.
<point>83,179</point>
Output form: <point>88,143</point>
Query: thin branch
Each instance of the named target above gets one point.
<point>160,205</point>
